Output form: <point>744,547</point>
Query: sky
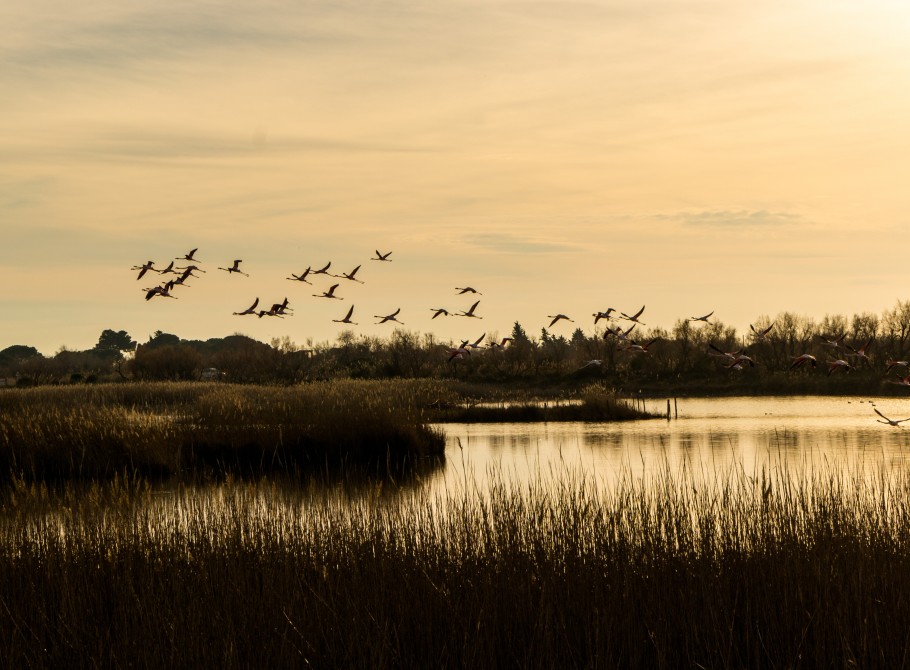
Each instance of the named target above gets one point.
<point>558,156</point>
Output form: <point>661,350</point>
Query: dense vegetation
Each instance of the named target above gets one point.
<point>154,429</point>
<point>681,360</point>
<point>812,572</point>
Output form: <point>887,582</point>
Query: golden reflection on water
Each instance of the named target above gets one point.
<point>710,439</point>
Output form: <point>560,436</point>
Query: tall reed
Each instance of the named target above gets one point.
<point>774,569</point>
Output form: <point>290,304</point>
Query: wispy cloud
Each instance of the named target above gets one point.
<point>517,244</point>
<point>742,218</point>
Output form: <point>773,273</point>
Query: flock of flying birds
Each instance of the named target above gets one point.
<point>184,272</point>
<point>733,360</point>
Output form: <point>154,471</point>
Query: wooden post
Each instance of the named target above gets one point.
<point>675,409</point>
<point>668,409</point>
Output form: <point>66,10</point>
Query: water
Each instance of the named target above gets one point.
<point>710,438</point>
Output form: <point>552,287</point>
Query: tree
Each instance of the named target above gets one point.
<point>114,341</point>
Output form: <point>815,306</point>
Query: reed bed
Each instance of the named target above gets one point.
<point>160,430</point>
<point>779,569</point>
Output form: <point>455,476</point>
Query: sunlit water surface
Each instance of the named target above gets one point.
<point>710,440</point>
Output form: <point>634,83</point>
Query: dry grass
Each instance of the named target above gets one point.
<point>794,570</point>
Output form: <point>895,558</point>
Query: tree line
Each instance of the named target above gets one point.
<point>684,356</point>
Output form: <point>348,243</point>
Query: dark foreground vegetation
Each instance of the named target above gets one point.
<point>742,573</point>
<point>162,430</point>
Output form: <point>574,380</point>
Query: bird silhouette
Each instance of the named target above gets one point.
<point>347,318</point>
<point>235,268</point>
<point>389,317</point>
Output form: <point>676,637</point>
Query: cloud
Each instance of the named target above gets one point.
<point>517,244</point>
<point>742,218</point>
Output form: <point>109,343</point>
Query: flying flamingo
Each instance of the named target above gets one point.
<point>382,257</point>
<point>351,275</point>
<point>619,332</point>
<point>728,355</point>
<point>164,291</point>
<point>189,257</point>
<point>149,265</point>
<point>835,344</point>
<point>635,348</point>
<point>235,268</point>
<point>557,317</point>
<point>635,316</point>
<point>300,277</point>
<point>839,364</point>
<point>249,310</point>
<point>476,343</point>
<point>894,364</point>
<point>701,318</point>
<point>889,422</point>
<point>803,359</point>
<point>761,335</point>
<point>467,289</point>
<point>470,312</point>
<point>501,344</point>
<point>861,352</point>
<point>389,317</point>
<point>438,310</point>
<point>329,294</point>
<point>323,271</point>
<point>603,315</point>
<point>347,318</point>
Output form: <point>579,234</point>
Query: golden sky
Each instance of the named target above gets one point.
<point>561,157</point>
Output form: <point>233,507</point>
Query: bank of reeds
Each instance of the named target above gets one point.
<point>593,403</point>
<point>811,571</point>
<point>159,430</point>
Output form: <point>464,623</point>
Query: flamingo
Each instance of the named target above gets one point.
<point>861,352</point>
<point>887,421</point>
<point>457,354</point>
<point>802,359</point>
<point>169,269</point>
<point>635,316</point>
<point>347,318</point>
<point>351,275</point>
<point>149,265</point>
<point>602,315</point>
<point>740,362</point>
<point>558,317</point>
<point>635,348</point>
<point>467,289</point>
<point>893,364</point>
<point>839,364</point>
<point>235,268</point>
<point>389,317</point>
<point>301,277</point>
<point>329,294</point>
<point>189,257</point>
<point>591,364</point>
<point>728,355</point>
<point>501,344</point>
<point>701,318</point>
<point>470,312</point>
<point>835,344</point>
<point>323,271</point>
<point>619,332</point>
<point>164,291</point>
<point>249,310</point>
<point>382,257</point>
<point>901,381</point>
<point>761,335</point>
<point>438,310</point>
<point>476,343</point>
<point>191,268</point>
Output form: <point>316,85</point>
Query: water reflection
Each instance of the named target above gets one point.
<point>710,437</point>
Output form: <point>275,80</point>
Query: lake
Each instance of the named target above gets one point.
<point>709,439</point>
